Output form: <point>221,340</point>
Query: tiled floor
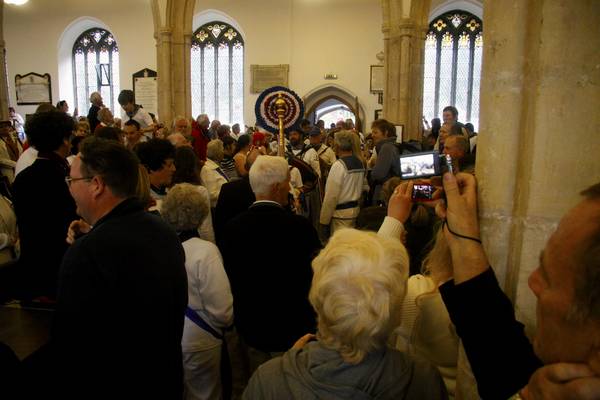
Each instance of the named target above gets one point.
<point>24,330</point>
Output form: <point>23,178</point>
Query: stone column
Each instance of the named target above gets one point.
<point>173,27</point>
<point>538,144</point>
<point>404,28</point>
<point>3,82</point>
<point>163,52</point>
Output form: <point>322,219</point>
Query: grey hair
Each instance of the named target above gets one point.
<point>343,140</point>
<point>267,171</point>
<point>179,118</point>
<point>214,149</point>
<point>95,96</point>
<point>202,118</point>
<point>103,114</point>
<point>184,207</point>
<point>358,286</point>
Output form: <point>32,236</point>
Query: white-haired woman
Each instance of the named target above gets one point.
<point>212,175</point>
<point>357,290</point>
<point>210,304</point>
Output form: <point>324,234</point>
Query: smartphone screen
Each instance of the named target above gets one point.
<point>422,192</point>
<point>419,165</point>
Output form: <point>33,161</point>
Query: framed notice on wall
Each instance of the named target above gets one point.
<point>33,89</point>
<point>145,88</point>
<point>377,79</point>
<point>266,76</point>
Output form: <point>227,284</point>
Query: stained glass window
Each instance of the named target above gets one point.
<point>95,68</point>
<point>218,73</point>
<point>452,70</point>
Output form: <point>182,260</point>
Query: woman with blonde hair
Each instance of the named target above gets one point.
<point>357,290</point>
<point>426,330</point>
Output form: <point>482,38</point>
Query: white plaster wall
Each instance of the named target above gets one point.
<point>315,37</point>
<point>32,33</point>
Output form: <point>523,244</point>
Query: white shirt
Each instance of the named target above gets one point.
<point>209,294</point>
<point>326,154</point>
<point>143,118</point>
<point>342,186</point>
<point>26,159</point>
<point>212,180</point>
<point>311,157</point>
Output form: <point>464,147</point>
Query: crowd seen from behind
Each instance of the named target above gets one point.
<point>192,261</point>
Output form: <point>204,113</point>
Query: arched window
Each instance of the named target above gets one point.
<point>452,72</point>
<point>218,73</point>
<point>96,68</point>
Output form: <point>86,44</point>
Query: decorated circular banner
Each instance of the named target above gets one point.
<point>266,113</point>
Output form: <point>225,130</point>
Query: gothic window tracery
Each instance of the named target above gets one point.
<point>95,68</point>
<point>452,70</point>
<point>218,72</point>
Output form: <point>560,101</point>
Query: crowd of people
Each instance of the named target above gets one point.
<point>192,260</point>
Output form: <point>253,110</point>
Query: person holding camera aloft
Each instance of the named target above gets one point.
<point>564,359</point>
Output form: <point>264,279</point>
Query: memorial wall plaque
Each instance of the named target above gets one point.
<point>377,79</point>
<point>267,76</point>
<point>33,89</point>
<point>145,87</point>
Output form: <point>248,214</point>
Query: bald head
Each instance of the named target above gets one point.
<point>178,140</point>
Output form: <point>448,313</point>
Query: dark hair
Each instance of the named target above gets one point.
<point>452,109</point>
<point>187,167</point>
<point>469,127</point>
<point>223,131</point>
<point>45,107</point>
<point>587,283</point>
<point>117,166</point>
<point>133,122</point>
<point>75,141</point>
<point>456,129</point>
<point>243,141</point>
<point>385,127</point>
<point>436,124</point>
<point>304,123</point>
<point>126,97</point>
<point>47,131</point>
<point>109,133</point>
<point>61,103</point>
<point>11,109</point>
<point>154,153</point>
<point>227,141</point>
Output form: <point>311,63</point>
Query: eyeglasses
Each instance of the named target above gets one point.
<point>69,179</point>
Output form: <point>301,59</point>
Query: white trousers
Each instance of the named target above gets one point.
<point>202,374</point>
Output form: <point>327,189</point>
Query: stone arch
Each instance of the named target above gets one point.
<point>65,54</point>
<point>319,95</point>
<point>209,15</point>
<point>475,7</point>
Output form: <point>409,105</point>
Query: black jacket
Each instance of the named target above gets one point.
<point>44,209</point>
<point>121,302</point>
<point>235,198</point>
<point>501,356</point>
<point>93,117</point>
<point>267,253</point>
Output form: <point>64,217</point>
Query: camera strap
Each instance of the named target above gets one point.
<point>458,234</point>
